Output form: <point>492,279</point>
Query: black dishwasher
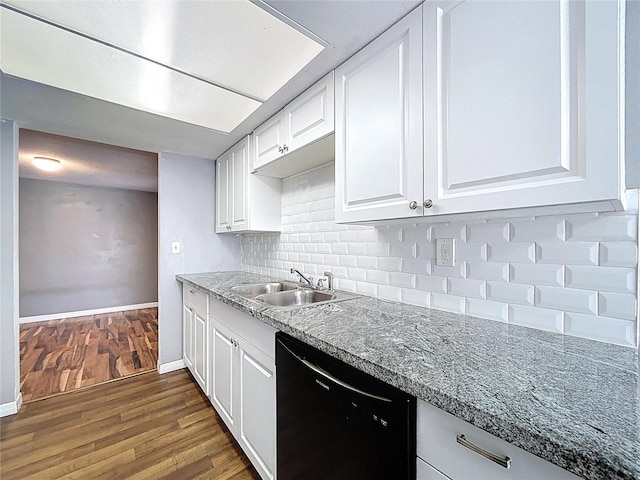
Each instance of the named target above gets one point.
<point>336,422</point>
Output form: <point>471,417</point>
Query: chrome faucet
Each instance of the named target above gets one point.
<point>308,281</point>
<point>329,276</point>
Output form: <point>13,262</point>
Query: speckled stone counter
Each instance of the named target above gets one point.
<point>573,402</point>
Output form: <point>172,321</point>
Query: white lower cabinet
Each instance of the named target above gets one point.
<point>195,335</point>
<point>479,456</point>
<point>244,383</point>
<point>424,471</point>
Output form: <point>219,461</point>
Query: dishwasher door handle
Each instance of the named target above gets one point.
<point>333,379</point>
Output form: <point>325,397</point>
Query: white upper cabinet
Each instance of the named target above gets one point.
<point>379,126</point>
<point>297,138</point>
<point>522,104</point>
<point>245,202</point>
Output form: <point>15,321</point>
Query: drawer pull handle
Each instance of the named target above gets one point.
<point>192,291</point>
<point>502,461</point>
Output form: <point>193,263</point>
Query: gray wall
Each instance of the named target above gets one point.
<point>85,247</point>
<point>186,200</point>
<point>9,356</point>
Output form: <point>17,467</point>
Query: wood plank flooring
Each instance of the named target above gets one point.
<point>143,427</point>
<point>62,355</point>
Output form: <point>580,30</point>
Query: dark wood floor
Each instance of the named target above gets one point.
<point>143,427</point>
<point>62,355</point>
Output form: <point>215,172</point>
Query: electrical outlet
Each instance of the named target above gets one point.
<point>175,247</point>
<point>445,251</point>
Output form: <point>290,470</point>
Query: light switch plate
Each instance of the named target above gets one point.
<point>445,251</point>
<point>175,247</point>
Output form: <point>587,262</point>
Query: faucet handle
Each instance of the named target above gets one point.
<point>320,283</point>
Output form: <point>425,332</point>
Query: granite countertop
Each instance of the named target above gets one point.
<point>570,401</point>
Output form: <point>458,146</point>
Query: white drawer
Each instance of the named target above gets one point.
<point>437,445</point>
<point>424,471</point>
<point>193,297</point>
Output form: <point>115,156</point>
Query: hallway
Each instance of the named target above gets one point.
<point>62,355</point>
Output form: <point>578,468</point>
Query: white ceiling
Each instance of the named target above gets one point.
<point>346,25</point>
<point>88,163</point>
<point>210,63</point>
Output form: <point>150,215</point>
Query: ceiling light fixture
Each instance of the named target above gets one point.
<point>47,164</point>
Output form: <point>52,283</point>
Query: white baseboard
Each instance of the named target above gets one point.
<point>171,366</point>
<point>84,313</point>
<point>11,408</point>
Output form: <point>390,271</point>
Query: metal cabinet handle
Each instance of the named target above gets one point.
<point>285,148</point>
<point>192,291</point>
<point>502,461</point>
<point>428,203</point>
<point>280,149</point>
<point>413,205</point>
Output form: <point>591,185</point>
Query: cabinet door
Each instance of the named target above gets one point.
<point>268,140</point>
<point>310,116</point>
<point>522,103</point>
<point>257,408</point>
<point>223,373</point>
<point>200,351</point>
<point>187,336</point>
<point>223,193</point>
<point>239,197</point>
<point>379,157</point>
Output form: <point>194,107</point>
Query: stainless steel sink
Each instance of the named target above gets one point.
<point>286,295</point>
<point>255,289</point>
<point>304,296</point>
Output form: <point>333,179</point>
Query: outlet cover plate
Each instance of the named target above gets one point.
<point>445,251</point>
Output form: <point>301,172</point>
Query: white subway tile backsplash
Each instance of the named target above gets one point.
<point>489,232</point>
<point>357,273</point>
<point>465,287</point>
<point>457,271</point>
<point>512,252</point>
<point>415,234</point>
<point>617,305</point>
<point>403,250</point>
<point>386,292</point>
<point>471,252</point>
<point>377,276</point>
<point>510,293</point>
<point>537,274</point>
<point>367,262</point>
<point>405,280</point>
<point>543,319</point>
<point>390,264</point>
<point>488,271</point>
<point>567,299</point>
<point>603,228</point>
<point>415,265</point>
<point>574,273</point>
<point>448,303</point>
<point>604,329</point>
<point>458,232</point>
<point>623,254</point>
<point>539,230</point>
<point>487,309</point>
<point>428,250</point>
<point>621,280</point>
<point>415,297</point>
<point>576,253</point>
<point>431,283</point>
<point>377,249</point>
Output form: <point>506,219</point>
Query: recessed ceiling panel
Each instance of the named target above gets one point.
<point>46,54</point>
<point>235,44</point>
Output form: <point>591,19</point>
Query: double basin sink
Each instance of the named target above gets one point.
<point>287,295</point>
